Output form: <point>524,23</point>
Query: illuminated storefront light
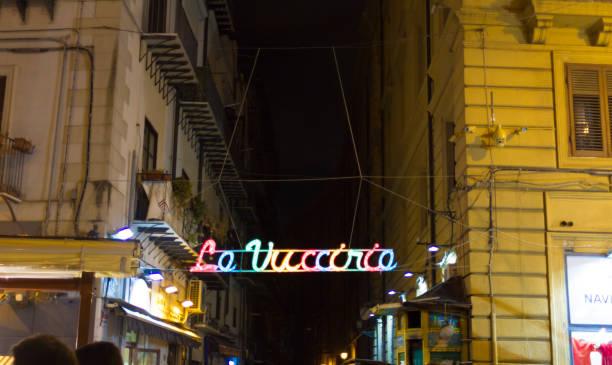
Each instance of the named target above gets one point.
<point>171,289</point>
<point>187,303</point>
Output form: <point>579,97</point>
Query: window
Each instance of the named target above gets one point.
<point>590,104</point>
<point>156,16</point>
<point>143,356</point>
<point>149,149</point>
<point>2,92</point>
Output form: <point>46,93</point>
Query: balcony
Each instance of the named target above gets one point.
<point>222,14</point>
<point>12,156</point>
<point>170,57</point>
<point>204,123</point>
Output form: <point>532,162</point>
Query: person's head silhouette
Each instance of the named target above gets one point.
<point>43,349</point>
<point>99,353</point>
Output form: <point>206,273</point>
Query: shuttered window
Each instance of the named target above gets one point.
<point>590,106</point>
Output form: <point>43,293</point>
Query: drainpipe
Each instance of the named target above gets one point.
<point>205,44</point>
<point>490,271</point>
<point>175,134</point>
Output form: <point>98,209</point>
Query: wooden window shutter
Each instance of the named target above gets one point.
<point>609,107</point>
<point>586,111</point>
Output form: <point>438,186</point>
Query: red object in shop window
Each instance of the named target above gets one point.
<point>581,351</point>
<point>606,353</point>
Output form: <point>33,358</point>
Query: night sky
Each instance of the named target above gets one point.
<point>309,135</point>
<point>309,125</point>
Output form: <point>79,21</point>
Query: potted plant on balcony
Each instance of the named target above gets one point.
<point>154,175</point>
<point>23,145</point>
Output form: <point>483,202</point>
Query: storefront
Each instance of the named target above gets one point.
<point>146,339</point>
<point>430,336</point>
<point>48,284</point>
<point>429,329</point>
<point>589,298</point>
<point>219,348</point>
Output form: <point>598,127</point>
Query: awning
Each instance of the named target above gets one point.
<point>381,310</point>
<point>364,362</point>
<point>219,345</point>
<point>30,257</point>
<point>449,294</point>
<point>138,320</point>
<point>211,331</point>
<point>219,342</point>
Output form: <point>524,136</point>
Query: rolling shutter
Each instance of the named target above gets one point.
<point>585,97</point>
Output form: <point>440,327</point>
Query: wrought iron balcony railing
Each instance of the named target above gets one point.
<point>12,156</point>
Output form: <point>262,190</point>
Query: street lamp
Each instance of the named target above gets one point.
<point>123,234</point>
<point>153,274</point>
<point>433,248</point>
<point>344,355</point>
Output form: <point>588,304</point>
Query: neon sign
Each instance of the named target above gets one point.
<point>255,259</point>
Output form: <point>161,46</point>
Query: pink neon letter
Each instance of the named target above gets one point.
<point>208,247</point>
<point>366,259</point>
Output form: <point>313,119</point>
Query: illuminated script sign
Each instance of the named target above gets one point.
<point>255,259</point>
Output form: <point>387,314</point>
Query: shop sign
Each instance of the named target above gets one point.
<point>255,259</point>
<point>589,289</point>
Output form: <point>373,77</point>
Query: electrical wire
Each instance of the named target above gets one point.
<point>350,128</point>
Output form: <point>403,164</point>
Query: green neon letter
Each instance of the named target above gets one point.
<point>255,247</point>
<point>358,255</point>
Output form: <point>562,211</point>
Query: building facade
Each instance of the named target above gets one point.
<point>119,115</point>
<point>490,122</point>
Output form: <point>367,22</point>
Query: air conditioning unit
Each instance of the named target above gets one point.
<point>194,293</point>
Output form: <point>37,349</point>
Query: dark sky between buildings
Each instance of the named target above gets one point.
<point>309,135</point>
<point>300,83</point>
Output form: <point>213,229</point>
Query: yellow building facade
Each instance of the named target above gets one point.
<point>493,119</point>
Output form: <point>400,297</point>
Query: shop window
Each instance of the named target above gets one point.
<point>140,356</point>
<point>590,320</point>
<point>590,104</point>
<point>149,147</point>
